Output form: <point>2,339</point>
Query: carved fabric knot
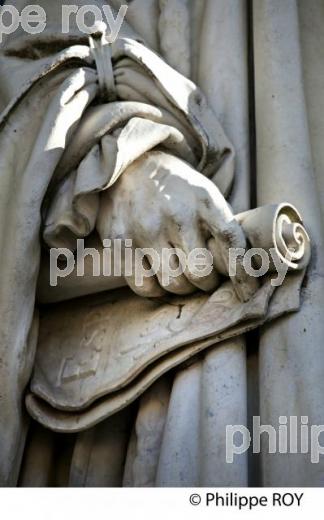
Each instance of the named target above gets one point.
<point>101,51</point>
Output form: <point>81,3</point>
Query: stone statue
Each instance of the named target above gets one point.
<point>128,384</point>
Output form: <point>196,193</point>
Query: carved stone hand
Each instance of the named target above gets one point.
<point>162,202</point>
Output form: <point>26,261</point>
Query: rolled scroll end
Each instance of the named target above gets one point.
<point>278,229</point>
<point>291,240</point>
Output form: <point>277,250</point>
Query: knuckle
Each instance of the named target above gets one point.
<point>147,290</point>
<point>205,282</point>
<point>177,285</point>
<point>233,235</point>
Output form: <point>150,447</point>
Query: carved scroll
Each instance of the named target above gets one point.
<point>97,362</point>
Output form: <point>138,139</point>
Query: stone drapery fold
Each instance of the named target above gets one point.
<point>46,114</point>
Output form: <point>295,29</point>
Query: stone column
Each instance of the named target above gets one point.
<point>291,350</point>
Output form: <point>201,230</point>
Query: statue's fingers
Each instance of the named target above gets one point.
<point>170,273</point>
<point>199,269</point>
<point>140,276</point>
<point>229,239</point>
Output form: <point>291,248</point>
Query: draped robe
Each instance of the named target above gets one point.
<point>178,434</point>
